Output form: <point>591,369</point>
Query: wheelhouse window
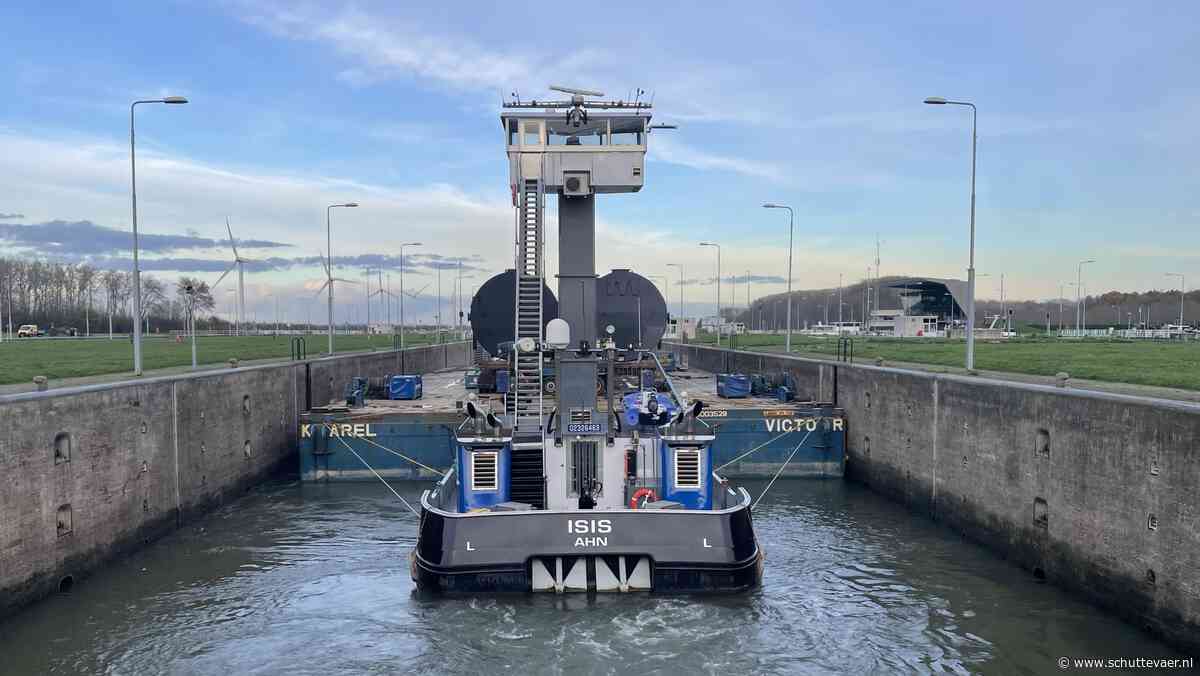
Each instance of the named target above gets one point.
<point>627,132</point>
<point>531,132</point>
<point>562,133</point>
<point>512,133</point>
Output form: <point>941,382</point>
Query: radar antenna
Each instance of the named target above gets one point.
<point>573,90</point>
<point>578,102</point>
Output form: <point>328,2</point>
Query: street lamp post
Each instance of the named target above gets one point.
<point>787,344</point>
<point>1061,296</point>
<point>718,247</point>
<point>839,300</point>
<point>866,301</point>
<point>191,308</point>
<point>749,306</point>
<point>402,289</point>
<point>1080,300</point>
<point>1182,294</point>
<point>329,262</point>
<point>938,101</point>
<point>679,319</point>
<point>656,279</point>
<point>137,278</point>
<point>680,266</point>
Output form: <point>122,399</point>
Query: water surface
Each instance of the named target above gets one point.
<point>313,579</point>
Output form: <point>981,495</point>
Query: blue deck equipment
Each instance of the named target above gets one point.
<point>502,382</point>
<point>636,411</point>
<point>733,385</point>
<point>356,391</point>
<point>647,379</point>
<point>687,474</point>
<point>406,387</point>
<point>485,469</point>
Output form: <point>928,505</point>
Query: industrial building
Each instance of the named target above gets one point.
<point>929,308</point>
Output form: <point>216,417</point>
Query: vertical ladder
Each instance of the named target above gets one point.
<point>524,400</point>
<point>526,390</point>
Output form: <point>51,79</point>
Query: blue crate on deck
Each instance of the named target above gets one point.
<point>406,387</point>
<point>733,385</point>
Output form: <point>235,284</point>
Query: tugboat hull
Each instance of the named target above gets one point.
<point>592,550</point>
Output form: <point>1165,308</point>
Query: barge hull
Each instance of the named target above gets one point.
<point>685,550</point>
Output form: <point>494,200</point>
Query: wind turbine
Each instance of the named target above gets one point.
<point>238,262</point>
<point>414,294</point>
<point>329,280</point>
<point>385,296</point>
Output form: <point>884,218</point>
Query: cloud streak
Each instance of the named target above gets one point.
<point>383,48</point>
<point>673,152</point>
<point>419,265</point>
<point>85,238</point>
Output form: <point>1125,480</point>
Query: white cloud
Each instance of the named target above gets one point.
<point>385,47</point>
<point>673,152</point>
<point>89,180</point>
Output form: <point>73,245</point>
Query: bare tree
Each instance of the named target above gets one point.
<point>199,300</point>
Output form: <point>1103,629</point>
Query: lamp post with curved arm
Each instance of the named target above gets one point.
<point>1182,294</point>
<point>787,344</point>
<point>718,247</point>
<point>137,275</point>
<point>329,262</point>
<point>938,101</point>
<point>402,289</point>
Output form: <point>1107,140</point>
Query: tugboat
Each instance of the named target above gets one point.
<point>560,492</point>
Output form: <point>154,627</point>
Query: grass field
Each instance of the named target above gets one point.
<point>1160,363</point>
<point>21,360</point>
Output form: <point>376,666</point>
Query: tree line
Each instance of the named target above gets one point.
<point>61,295</point>
<point>1113,308</point>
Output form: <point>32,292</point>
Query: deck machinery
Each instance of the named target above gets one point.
<point>555,494</point>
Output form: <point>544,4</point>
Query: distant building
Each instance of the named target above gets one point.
<point>928,308</point>
<point>940,298</point>
<point>679,329</point>
<point>833,329</point>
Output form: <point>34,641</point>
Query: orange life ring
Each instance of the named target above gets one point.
<point>641,493</point>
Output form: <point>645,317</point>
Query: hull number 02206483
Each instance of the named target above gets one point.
<point>584,428</point>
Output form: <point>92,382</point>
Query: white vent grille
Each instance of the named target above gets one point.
<point>483,470</point>
<point>687,468</point>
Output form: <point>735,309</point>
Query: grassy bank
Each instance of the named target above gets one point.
<point>21,360</point>
<point>1145,362</point>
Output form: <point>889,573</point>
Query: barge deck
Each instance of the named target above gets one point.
<point>413,439</point>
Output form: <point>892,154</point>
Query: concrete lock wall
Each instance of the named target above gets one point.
<point>1097,493</point>
<point>90,473</point>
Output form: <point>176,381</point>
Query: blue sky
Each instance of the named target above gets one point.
<point>1087,139</point>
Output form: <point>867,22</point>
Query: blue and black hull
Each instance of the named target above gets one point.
<point>684,551</point>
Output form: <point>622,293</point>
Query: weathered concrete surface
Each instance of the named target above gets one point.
<point>1099,493</point>
<point>122,463</point>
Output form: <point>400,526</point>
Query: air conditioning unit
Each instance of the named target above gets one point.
<point>576,184</point>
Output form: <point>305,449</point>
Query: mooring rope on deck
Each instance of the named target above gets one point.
<point>385,483</point>
<point>401,455</point>
<point>780,471</point>
<point>754,449</point>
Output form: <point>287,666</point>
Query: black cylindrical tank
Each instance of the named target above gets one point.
<point>494,312</point>
<point>628,300</point>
